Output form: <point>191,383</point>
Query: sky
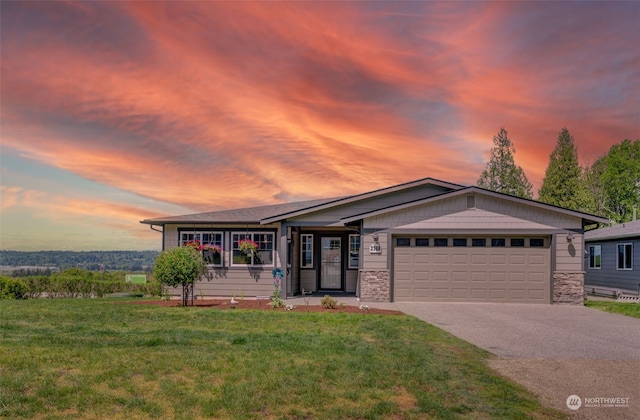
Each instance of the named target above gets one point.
<point>114,112</point>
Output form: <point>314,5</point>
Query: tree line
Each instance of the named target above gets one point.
<point>88,260</point>
<point>608,187</point>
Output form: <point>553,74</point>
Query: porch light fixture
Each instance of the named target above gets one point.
<point>570,237</point>
<point>375,237</point>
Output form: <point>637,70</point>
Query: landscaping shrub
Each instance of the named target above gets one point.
<point>75,283</point>
<point>328,302</point>
<point>13,289</point>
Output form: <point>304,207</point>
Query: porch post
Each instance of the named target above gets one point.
<point>285,289</point>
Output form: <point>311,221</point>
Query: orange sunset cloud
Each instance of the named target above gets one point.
<point>203,106</point>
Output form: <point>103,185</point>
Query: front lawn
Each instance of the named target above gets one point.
<point>87,358</point>
<point>624,308</point>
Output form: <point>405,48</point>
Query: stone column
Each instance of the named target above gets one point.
<point>375,286</point>
<point>568,287</point>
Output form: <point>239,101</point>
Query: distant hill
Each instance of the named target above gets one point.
<point>88,260</point>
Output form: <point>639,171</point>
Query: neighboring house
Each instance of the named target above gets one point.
<point>422,241</point>
<point>612,258</point>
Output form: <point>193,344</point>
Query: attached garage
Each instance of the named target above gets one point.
<point>472,269</point>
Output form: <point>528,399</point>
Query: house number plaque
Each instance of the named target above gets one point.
<point>375,248</point>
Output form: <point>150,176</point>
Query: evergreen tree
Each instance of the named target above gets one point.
<point>501,173</point>
<point>562,184</point>
<point>621,179</point>
<point>593,180</point>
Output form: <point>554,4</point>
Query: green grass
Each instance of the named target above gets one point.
<point>624,308</point>
<point>86,358</point>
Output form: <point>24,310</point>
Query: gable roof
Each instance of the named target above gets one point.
<point>589,218</point>
<point>277,212</point>
<point>619,231</point>
<point>358,197</point>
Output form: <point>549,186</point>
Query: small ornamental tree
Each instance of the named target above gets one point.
<point>180,266</point>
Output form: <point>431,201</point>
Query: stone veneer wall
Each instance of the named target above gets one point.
<point>375,286</point>
<point>568,287</point>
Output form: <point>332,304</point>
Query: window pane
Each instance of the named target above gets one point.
<point>354,251</point>
<point>459,241</point>
<point>517,242</point>
<point>403,242</point>
<point>478,242</point>
<point>536,242</point>
<point>422,241</point>
<point>594,256</point>
<point>498,242</point>
<point>306,251</point>
<point>440,242</point>
<point>625,256</point>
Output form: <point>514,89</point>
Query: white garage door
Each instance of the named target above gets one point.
<point>473,274</point>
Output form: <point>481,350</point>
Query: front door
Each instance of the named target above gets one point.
<point>331,263</point>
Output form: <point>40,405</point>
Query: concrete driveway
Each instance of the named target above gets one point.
<point>555,351</point>
<point>534,331</point>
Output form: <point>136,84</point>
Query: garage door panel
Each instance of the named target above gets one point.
<point>441,293</point>
<point>478,276</point>
<point>517,259</point>
<point>460,259</point>
<point>441,258</point>
<point>479,259</point>
<point>498,259</point>
<point>460,293</point>
<point>516,277</point>
<point>459,276</point>
<point>485,274</point>
<point>537,260</point>
<point>478,294</point>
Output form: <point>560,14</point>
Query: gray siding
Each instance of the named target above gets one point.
<point>459,203</point>
<point>375,261</point>
<point>227,280</point>
<point>608,275</point>
<point>372,204</point>
<point>308,280</point>
<point>569,255</point>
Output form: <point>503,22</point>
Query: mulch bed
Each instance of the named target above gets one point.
<point>264,306</point>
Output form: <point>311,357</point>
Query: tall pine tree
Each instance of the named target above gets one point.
<point>562,184</point>
<point>501,173</point>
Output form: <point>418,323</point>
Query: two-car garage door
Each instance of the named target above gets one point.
<point>472,274</point>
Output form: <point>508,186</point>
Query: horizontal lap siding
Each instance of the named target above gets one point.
<point>608,275</point>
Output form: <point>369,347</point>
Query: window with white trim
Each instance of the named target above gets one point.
<point>262,243</point>
<point>207,242</point>
<point>595,256</point>
<point>306,251</point>
<point>625,257</point>
<point>354,251</point>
